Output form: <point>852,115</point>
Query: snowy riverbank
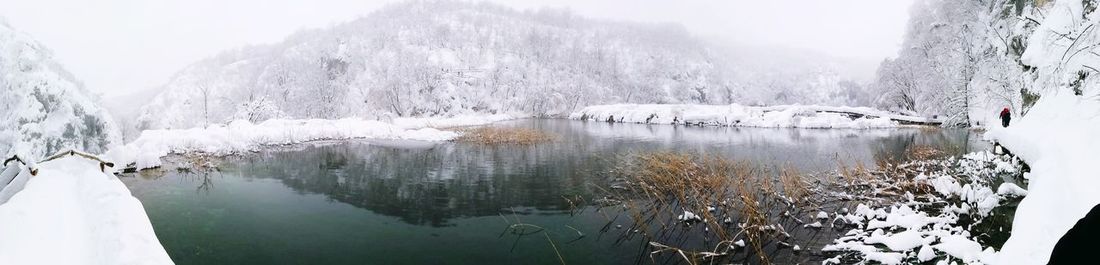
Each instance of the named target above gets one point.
<point>1057,138</point>
<point>71,213</point>
<point>241,136</point>
<point>937,223</point>
<point>787,116</point>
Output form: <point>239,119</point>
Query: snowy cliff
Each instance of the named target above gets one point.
<point>443,58</point>
<point>45,108</point>
<point>1057,136</point>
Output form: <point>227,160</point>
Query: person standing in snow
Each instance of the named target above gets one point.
<point>1006,116</point>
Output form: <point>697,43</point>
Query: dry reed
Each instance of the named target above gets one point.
<point>794,187</point>
<point>721,192</point>
<point>924,152</point>
<point>504,135</point>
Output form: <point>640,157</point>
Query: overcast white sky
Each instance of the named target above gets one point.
<point>120,46</point>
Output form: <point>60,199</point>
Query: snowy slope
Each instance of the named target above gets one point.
<point>71,213</point>
<point>45,108</point>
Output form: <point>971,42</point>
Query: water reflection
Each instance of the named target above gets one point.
<point>386,202</point>
<point>433,184</point>
<point>424,186</point>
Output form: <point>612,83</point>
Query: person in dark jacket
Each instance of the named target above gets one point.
<point>1006,116</point>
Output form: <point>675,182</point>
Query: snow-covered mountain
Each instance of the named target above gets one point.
<point>426,58</point>
<point>45,108</point>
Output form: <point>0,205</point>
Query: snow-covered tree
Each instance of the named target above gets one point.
<point>45,108</point>
<point>426,58</point>
<point>959,59</point>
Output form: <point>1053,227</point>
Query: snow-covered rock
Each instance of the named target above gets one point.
<point>688,216</point>
<point>1009,189</point>
<point>959,189</point>
<point>739,243</point>
<point>925,253</point>
<point>45,109</point>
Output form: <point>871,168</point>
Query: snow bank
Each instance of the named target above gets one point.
<point>1058,140</point>
<point>792,116</point>
<point>242,136</point>
<point>71,213</point>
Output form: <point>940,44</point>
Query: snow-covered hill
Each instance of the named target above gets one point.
<point>427,58</point>
<point>45,109</point>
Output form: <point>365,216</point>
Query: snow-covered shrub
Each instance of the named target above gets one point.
<point>258,110</point>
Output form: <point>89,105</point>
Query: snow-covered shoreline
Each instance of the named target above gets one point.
<point>937,225</point>
<point>785,116</point>
<point>241,136</point>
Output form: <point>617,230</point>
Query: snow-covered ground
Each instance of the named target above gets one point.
<point>72,213</point>
<point>929,227</point>
<point>1058,139</point>
<point>241,136</point>
<point>791,116</point>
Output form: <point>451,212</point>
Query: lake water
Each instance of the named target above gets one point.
<point>397,202</point>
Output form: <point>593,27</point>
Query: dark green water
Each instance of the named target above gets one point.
<point>393,202</point>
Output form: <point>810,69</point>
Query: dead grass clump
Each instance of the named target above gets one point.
<point>199,162</point>
<point>924,152</point>
<point>889,179</point>
<point>504,135</point>
<point>794,187</point>
<point>733,200</point>
<point>855,176</point>
<point>755,219</point>
<point>679,175</point>
<point>693,183</point>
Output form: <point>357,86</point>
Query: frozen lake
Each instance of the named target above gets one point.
<point>372,202</point>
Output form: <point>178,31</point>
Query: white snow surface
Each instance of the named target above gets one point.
<point>1057,138</point>
<point>784,116</point>
<point>243,136</point>
<point>71,213</point>
<point>1009,189</point>
<point>689,217</point>
<point>906,228</point>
